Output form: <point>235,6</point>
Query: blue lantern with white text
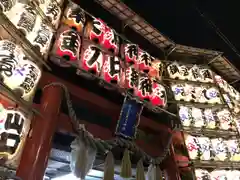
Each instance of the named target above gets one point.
<point>129,118</point>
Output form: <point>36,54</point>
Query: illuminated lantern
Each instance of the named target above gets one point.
<point>92,58</point>
<point>233,175</point>
<point>95,30</point>
<point>219,174</point>
<point>220,150</point>
<point>23,16</point>
<point>111,71</point>
<point>23,79</point>
<point>202,174</point>
<point>14,127</point>
<point>173,70</point>
<point>197,115</point>
<point>192,146</point>
<point>6,5</point>
<point>190,93</point>
<point>178,91</point>
<point>130,79</point>
<point>209,117</point>
<point>212,95</point>
<point>156,70</point>
<point>52,10</point>
<point>225,119</point>
<point>204,144</point>
<point>206,75</point>
<point>195,73</point>
<point>221,83</point>
<point>183,72</point>
<point>144,61</point>
<point>111,40</point>
<point>233,149</point>
<point>145,88</point>
<point>74,17</point>
<point>130,53</point>
<point>159,95</point>
<point>41,36</point>
<point>66,48</point>
<point>129,119</point>
<point>185,115</point>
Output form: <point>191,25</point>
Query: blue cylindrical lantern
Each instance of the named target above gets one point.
<point>129,118</point>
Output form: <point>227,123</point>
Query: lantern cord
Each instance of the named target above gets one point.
<point>105,146</point>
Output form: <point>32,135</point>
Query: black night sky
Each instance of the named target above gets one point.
<point>181,22</point>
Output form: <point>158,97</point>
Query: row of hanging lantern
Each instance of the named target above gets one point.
<point>208,118</point>
<point>217,174</point>
<point>216,149</point>
<point>28,20</point>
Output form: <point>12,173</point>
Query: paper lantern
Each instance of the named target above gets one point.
<point>17,72</point>
<point>110,40</point>
<point>112,71</point>
<point>219,174</point>
<point>173,70</point>
<point>6,5</point>
<point>156,70</point>
<point>23,16</point>
<point>95,30</point>
<point>184,72</point>
<point>144,88</point>
<point>202,174</point>
<point>195,73</point>
<point>14,127</point>
<point>92,58</point>
<point>192,146</point>
<point>66,48</point>
<point>159,95</point>
<point>74,17</point>
<point>185,114</point>
<point>52,10</point>
<point>144,61</point>
<point>212,95</point>
<point>233,175</point>
<point>225,119</point>
<point>41,36</point>
<point>204,144</point>
<point>220,150</point>
<point>130,53</point>
<point>210,121</point>
<point>206,75</point>
<point>130,79</point>
<point>197,115</point>
<point>129,119</point>
<point>233,149</point>
<point>190,93</point>
<point>178,91</point>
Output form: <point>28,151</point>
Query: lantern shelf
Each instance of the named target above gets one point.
<point>216,164</point>
<point>188,81</point>
<point>19,37</point>
<point>195,131</point>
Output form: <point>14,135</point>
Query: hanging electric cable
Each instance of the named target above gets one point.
<point>217,30</point>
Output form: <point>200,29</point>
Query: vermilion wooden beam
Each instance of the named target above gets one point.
<point>99,103</point>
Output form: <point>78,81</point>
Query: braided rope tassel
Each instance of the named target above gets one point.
<point>126,167</point>
<point>140,171</point>
<point>109,167</point>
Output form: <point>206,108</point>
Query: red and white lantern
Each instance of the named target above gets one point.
<point>144,88</point>
<point>74,17</point>
<point>130,53</point>
<point>159,95</point>
<point>111,71</point>
<point>130,79</point>
<point>110,40</point>
<point>92,58</point>
<point>144,61</point>
<point>156,69</point>
<point>96,30</point>
<point>67,47</point>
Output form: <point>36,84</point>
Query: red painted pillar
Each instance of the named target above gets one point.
<point>38,145</point>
